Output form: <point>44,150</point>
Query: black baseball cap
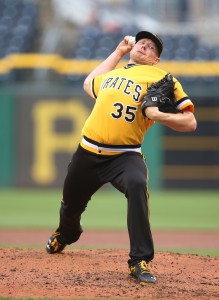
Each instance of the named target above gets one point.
<point>148,35</point>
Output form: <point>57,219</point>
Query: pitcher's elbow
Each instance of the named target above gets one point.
<point>193,126</point>
<point>85,86</point>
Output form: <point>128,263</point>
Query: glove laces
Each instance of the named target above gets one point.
<point>154,86</point>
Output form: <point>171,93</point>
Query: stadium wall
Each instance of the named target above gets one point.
<point>41,127</point>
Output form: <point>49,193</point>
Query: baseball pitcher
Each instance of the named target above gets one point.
<point>128,101</point>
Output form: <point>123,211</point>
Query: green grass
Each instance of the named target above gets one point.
<point>170,210</point>
<point>185,210</point>
<point>176,210</point>
<point>203,252</point>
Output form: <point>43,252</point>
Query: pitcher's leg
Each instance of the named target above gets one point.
<point>141,242</point>
<point>132,181</point>
<point>80,184</point>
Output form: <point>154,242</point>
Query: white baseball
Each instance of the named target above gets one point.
<point>131,40</point>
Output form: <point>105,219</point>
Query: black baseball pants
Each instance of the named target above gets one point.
<point>127,172</point>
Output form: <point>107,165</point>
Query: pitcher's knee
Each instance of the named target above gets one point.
<point>137,183</point>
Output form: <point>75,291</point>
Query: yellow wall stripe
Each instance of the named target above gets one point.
<point>71,66</point>
<point>210,114</point>
<point>191,172</point>
<point>191,143</point>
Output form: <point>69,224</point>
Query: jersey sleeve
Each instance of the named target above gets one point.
<point>95,86</point>
<point>183,101</point>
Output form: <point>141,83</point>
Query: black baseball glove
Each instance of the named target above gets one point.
<point>161,94</point>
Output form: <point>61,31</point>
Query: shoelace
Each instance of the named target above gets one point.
<point>144,267</point>
<point>57,233</point>
<point>55,244</point>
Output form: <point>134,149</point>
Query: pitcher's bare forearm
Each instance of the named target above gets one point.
<point>184,121</point>
<point>109,63</point>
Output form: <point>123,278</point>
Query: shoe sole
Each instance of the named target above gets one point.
<point>48,250</point>
<point>51,252</point>
<point>133,278</point>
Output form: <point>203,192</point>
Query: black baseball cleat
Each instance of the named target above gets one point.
<point>141,272</point>
<point>54,245</point>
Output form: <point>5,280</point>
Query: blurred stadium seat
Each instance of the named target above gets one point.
<point>176,47</point>
<point>19,31</point>
<point>18,25</point>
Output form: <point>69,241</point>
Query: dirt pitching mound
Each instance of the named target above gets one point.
<point>74,274</point>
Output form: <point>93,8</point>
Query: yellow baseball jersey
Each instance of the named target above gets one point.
<point>116,118</point>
